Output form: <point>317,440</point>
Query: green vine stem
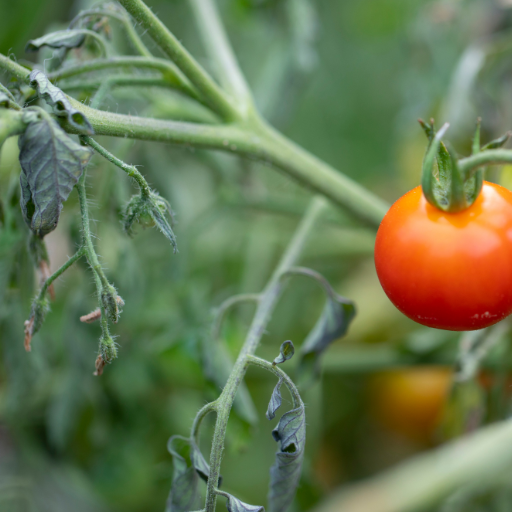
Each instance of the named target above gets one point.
<point>213,94</point>
<point>131,170</point>
<point>221,54</point>
<point>170,73</point>
<point>253,138</point>
<point>126,22</point>
<point>90,253</point>
<point>294,392</point>
<point>78,254</point>
<point>228,304</point>
<point>487,157</point>
<point>266,305</point>
<point>207,409</point>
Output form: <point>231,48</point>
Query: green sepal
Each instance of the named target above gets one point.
<point>149,210</point>
<point>457,195</point>
<point>108,349</point>
<point>110,301</point>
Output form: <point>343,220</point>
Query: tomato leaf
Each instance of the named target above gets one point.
<point>189,465</point>
<point>497,143</point>
<point>51,163</point>
<point>59,101</point>
<point>235,505</point>
<point>334,322</point>
<point>275,401</point>
<point>286,471</point>
<point>59,39</point>
<point>286,352</point>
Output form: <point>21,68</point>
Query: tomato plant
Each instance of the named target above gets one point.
<point>448,270</point>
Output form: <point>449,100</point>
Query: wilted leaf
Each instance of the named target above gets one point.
<point>286,471</point>
<point>59,39</point>
<point>275,401</point>
<point>51,164</point>
<point>333,323</point>
<point>285,352</point>
<point>189,465</point>
<point>235,505</point>
<point>58,100</point>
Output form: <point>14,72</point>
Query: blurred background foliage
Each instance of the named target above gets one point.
<point>347,80</point>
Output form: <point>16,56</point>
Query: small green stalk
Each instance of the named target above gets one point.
<point>131,170</point>
<point>266,305</point>
<point>78,254</point>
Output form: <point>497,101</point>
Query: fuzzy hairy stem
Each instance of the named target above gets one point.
<point>131,170</point>
<point>252,138</point>
<point>266,305</point>
<point>78,254</point>
<point>170,73</point>
<point>90,253</point>
<point>213,94</point>
<point>126,22</point>
<point>266,365</point>
<point>221,53</point>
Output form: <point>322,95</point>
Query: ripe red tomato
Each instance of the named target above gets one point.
<point>448,270</point>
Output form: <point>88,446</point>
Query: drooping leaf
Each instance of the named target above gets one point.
<point>286,471</point>
<point>332,324</point>
<point>275,401</point>
<point>60,103</point>
<point>157,212</point>
<point>51,163</point>
<point>60,39</point>
<point>235,505</point>
<point>189,465</point>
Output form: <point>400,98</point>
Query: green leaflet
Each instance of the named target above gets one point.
<point>189,465</point>
<point>51,164</point>
<point>59,101</point>
<point>7,101</point>
<point>275,401</point>
<point>332,324</point>
<point>286,352</point>
<point>59,39</point>
<point>235,505</point>
<point>286,471</point>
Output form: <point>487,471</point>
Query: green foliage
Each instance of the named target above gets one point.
<point>51,163</point>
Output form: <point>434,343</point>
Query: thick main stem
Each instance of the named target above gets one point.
<point>268,300</point>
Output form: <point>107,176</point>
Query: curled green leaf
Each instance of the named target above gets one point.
<point>149,211</point>
<point>286,352</point>
<point>7,101</point>
<point>286,471</point>
<point>60,39</point>
<point>275,401</point>
<point>59,101</point>
<point>51,163</point>
<point>334,322</point>
<point>235,505</point>
<point>189,465</point>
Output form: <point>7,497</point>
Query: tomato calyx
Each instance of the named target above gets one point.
<point>445,185</point>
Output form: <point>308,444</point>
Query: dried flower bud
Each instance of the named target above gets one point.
<point>39,309</point>
<point>111,301</point>
<point>149,211</point>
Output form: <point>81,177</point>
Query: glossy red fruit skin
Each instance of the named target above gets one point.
<point>450,271</point>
